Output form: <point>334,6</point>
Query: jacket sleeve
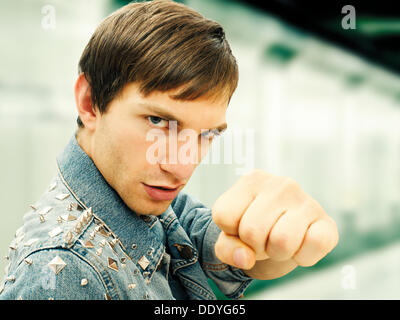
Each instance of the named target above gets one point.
<point>197,221</point>
<point>49,274</point>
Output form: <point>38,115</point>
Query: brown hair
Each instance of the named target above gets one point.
<point>162,45</point>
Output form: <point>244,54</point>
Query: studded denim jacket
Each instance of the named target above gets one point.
<point>80,241</point>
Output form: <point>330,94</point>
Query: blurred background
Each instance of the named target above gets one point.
<point>318,96</point>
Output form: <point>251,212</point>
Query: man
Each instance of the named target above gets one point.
<point>115,225</point>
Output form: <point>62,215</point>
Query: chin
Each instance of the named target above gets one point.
<point>151,208</point>
<point>160,208</point>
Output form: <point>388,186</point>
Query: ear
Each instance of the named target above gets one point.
<point>83,99</point>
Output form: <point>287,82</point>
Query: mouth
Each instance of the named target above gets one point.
<point>161,193</point>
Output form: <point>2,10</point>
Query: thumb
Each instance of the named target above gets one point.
<point>231,250</point>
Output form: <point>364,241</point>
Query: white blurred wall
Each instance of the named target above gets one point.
<point>38,67</point>
<point>338,137</point>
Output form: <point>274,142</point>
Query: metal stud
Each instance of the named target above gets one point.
<point>103,232</point>
<point>11,278</point>
<point>143,262</point>
<point>78,227</point>
<point>102,243</point>
<point>132,286</point>
<point>84,282</point>
<point>146,218</point>
<point>62,196</point>
<point>92,235</point>
<point>99,251</point>
<point>88,244</point>
<point>107,297</point>
<point>46,210</point>
<point>68,217</point>
<point>185,251</point>
<point>59,219</point>
<point>68,237</point>
<point>134,246</point>
<point>41,218</point>
<point>30,242</point>
<point>87,215</point>
<point>52,186</point>
<point>111,244</point>
<point>56,265</point>
<point>112,264</point>
<point>13,246</point>
<point>19,232</point>
<point>28,261</point>
<point>135,272</point>
<point>85,218</point>
<point>55,232</point>
<point>20,298</point>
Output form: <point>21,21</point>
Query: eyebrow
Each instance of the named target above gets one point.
<point>160,112</point>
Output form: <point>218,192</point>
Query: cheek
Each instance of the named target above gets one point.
<point>126,150</point>
<point>132,147</point>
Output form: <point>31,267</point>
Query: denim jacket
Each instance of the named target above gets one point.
<point>80,241</point>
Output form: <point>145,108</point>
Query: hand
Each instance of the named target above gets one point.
<point>269,226</point>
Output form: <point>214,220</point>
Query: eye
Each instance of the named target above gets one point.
<point>210,134</point>
<point>157,121</point>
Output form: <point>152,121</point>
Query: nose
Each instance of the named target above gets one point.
<point>180,159</point>
<point>181,172</point>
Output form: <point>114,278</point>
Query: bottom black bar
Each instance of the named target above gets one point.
<point>197,310</point>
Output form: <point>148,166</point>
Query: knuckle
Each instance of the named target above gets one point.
<point>280,241</point>
<point>250,234</point>
<point>256,173</point>
<point>319,241</point>
<point>314,207</point>
<point>290,184</point>
<point>218,213</point>
<point>256,177</point>
<point>324,239</point>
<point>291,191</point>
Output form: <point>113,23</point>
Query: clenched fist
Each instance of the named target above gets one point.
<point>269,226</point>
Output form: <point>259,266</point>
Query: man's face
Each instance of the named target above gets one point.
<point>121,141</point>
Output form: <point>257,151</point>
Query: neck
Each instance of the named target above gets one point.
<point>83,139</point>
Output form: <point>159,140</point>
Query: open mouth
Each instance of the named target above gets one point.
<point>161,193</point>
<point>163,188</point>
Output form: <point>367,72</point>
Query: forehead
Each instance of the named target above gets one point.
<point>202,113</point>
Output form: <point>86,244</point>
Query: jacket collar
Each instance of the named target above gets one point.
<point>140,236</point>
